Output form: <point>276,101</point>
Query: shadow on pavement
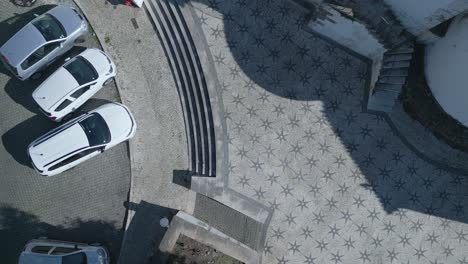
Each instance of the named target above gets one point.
<point>182,178</point>
<point>10,26</point>
<point>21,93</point>
<point>17,139</point>
<point>273,48</point>
<point>18,227</point>
<point>144,234</point>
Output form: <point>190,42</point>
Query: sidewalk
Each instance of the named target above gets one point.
<point>146,86</point>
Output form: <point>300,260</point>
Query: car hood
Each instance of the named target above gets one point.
<point>22,44</point>
<point>118,120</point>
<point>59,145</point>
<point>52,90</point>
<point>97,59</point>
<point>67,17</point>
<point>38,259</point>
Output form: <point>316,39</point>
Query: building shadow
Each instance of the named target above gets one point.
<point>182,178</point>
<point>271,44</point>
<point>18,227</point>
<point>144,233</point>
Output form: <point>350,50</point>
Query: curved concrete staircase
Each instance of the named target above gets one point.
<point>392,78</point>
<point>192,88</point>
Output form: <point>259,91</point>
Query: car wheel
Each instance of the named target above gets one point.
<point>107,81</point>
<point>67,118</point>
<point>79,40</point>
<point>36,75</point>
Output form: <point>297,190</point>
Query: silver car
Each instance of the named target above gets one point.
<point>42,40</point>
<point>43,251</point>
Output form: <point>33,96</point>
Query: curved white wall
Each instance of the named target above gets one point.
<point>447,69</point>
<point>419,16</point>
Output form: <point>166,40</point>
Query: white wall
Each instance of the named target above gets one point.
<point>447,70</point>
<point>352,35</point>
<point>419,16</point>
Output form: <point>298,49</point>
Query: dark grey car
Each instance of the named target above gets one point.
<point>42,40</point>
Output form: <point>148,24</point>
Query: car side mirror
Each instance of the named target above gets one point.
<point>67,59</point>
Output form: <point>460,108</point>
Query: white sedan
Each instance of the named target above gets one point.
<point>73,84</point>
<point>81,138</point>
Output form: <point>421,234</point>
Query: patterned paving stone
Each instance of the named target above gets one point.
<point>344,187</point>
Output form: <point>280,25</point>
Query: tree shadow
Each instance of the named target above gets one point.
<point>17,227</point>
<point>276,51</point>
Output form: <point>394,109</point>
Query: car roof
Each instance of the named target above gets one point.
<point>61,82</point>
<point>33,258</point>
<point>54,148</point>
<point>68,17</point>
<point>118,119</point>
<point>54,88</point>
<point>22,44</point>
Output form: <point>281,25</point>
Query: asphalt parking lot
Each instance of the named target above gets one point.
<point>85,204</point>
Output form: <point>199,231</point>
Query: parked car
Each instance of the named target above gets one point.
<point>73,84</point>
<point>42,40</point>
<point>44,251</point>
<point>81,138</point>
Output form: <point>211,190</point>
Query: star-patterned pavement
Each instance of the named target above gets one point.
<point>343,186</point>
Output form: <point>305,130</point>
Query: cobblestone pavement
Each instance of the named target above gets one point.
<point>344,187</point>
<point>84,204</point>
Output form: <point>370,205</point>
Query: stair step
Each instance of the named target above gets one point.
<point>392,80</point>
<point>187,81</point>
<point>396,64</point>
<point>205,97</point>
<point>177,72</point>
<point>388,87</point>
<point>394,72</point>
<point>199,85</point>
<point>189,78</point>
<point>385,95</point>
<point>398,57</point>
<point>404,50</point>
<point>378,105</point>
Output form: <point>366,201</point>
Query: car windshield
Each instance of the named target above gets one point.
<point>96,130</point>
<point>50,28</point>
<point>78,258</point>
<point>82,70</point>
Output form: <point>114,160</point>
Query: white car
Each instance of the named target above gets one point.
<point>42,251</point>
<point>81,138</point>
<point>74,83</point>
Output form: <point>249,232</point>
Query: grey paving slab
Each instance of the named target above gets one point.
<point>344,187</point>
<point>84,204</point>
